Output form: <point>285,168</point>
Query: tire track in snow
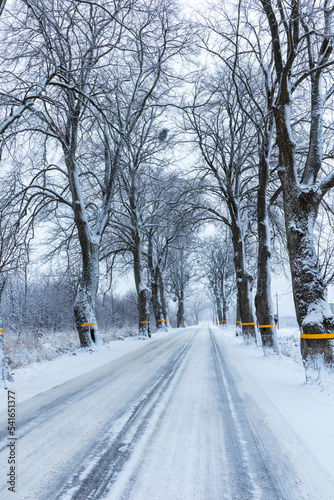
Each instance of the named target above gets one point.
<point>255,473</point>
<point>118,454</point>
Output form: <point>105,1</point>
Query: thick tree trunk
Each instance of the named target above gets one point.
<point>301,203</point>
<point>4,366</point>
<point>302,199</point>
<point>219,311</point>
<point>244,281</point>
<point>159,320</point>
<point>154,273</point>
<point>180,311</point>
<point>85,301</point>
<point>238,328</point>
<point>309,290</point>
<point>216,292</point>
<point>142,295</point>
<point>157,308</point>
<point>263,301</point>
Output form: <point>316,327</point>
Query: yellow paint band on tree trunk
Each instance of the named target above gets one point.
<point>317,336</point>
<point>266,326</point>
<point>246,324</point>
<point>1,331</point>
<point>144,321</point>
<point>165,320</point>
<point>223,321</point>
<point>161,320</point>
<point>89,324</point>
<point>238,321</point>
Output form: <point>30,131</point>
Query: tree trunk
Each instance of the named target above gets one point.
<point>219,311</point>
<point>224,301</point>
<point>302,199</point>
<point>163,298</point>
<point>85,301</point>
<point>180,311</point>
<point>159,320</point>
<point>301,204</point>
<point>156,305</point>
<point>243,279</point>
<point>238,328</point>
<point>263,301</point>
<point>142,295</point>
<point>5,371</point>
<point>309,290</point>
<point>154,275</point>
<point>216,292</point>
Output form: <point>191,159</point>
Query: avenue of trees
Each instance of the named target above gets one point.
<point>135,140</point>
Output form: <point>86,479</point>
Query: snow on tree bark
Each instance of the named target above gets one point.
<point>216,292</point>
<point>243,278</point>
<point>302,196</point>
<point>162,295</point>
<point>180,310</point>
<point>238,330</point>
<point>142,291</point>
<point>85,302</point>
<point>310,292</point>
<point>155,299</point>
<point>263,300</point>
<point>224,299</point>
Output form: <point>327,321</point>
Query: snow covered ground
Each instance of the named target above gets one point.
<point>306,410</point>
<point>173,382</point>
<point>40,377</point>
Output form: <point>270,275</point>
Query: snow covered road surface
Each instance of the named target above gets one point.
<point>172,420</point>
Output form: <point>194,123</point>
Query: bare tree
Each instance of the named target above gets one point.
<point>112,56</point>
<point>181,272</point>
<point>217,264</point>
<point>138,213</point>
<point>232,38</point>
<point>226,142</point>
<point>175,218</point>
<point>301,36</point>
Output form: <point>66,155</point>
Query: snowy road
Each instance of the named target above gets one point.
<point>168,421</point>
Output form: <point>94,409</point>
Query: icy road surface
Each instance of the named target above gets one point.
<point>171,421</point>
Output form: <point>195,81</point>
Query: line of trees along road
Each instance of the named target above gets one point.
<point>112,134</point>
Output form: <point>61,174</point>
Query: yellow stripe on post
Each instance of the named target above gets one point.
<point>247,324</point>
<point>1,331</point>
<point>238,321</point>
<point>266,326</point>
<point>317,336</point>
<point>144,321</point>
<point>161,320</point>
<point>89,324</point>
<point>223,321</point>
